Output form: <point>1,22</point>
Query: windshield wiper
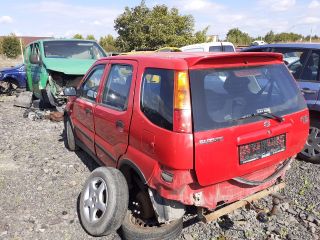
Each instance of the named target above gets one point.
<point>262,114</point>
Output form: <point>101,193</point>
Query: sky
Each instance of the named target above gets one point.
<point>64,18</point>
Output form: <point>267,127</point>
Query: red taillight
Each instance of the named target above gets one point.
<point>182,121</point>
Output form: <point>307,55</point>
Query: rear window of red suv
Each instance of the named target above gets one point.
<point>157,96</point>
<point>226,97</point>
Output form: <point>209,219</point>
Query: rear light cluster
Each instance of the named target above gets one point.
<point>182,121</point>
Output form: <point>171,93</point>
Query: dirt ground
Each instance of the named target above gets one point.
<point>40,181</point>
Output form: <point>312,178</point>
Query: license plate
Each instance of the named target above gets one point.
<point>261,149</point>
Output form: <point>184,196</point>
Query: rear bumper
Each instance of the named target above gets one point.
<point>185,188</point>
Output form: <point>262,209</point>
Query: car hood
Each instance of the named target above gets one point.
<point>11,68</point>
<point>69,66</point>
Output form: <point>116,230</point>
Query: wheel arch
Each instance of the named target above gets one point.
<point>314,117</point>
<point>126,166</point>
<point>11,79</point>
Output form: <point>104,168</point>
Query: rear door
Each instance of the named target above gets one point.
<point>83,108</point>
<point>27,54</point>
<point>113,113</point>
<point>36,69</point>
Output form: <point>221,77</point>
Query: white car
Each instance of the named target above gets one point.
<point>209,47</point>
<point>258,42</point>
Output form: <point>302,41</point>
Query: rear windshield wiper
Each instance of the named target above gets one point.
<point>262,114</point>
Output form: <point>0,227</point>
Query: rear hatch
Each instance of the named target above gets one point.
<point>245,118</point>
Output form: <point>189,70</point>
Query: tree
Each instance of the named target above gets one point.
<point>11,46</point>
<point>285,37</point>
<point>144,28</point>
<point>108,43</point>
<point>78,36</point>
<point>1,46</point>
<point>238,37</point>
<point>90,37</point>
<point>269,37</point>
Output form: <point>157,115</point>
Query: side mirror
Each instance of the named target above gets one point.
<point>70,91</point>
<point>92,94</point>
<point>35,59</point>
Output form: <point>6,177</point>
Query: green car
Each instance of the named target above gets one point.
<point>55,64</point>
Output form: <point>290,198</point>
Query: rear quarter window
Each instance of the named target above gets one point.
<point>157,97</point>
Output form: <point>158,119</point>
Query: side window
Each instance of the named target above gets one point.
<point>117,88</point>
<point>89,88</point>
<point>35,51</point>
<point>312,66</point>
<point>27,52</point>
<point>215,49</point>
<point>228,48</point>
<point>157,96</point>
<point>295,61</point>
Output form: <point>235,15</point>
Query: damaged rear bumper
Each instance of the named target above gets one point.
<point>185,189</point>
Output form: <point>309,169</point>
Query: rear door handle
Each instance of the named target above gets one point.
<point>120,125</point>
<point>88,111</point>
<point>308,90</point>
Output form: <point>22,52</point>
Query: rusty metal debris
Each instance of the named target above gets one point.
<point>23,100</point>
<point>56,116</point>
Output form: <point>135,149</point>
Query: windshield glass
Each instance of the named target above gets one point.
<point>221,97</point>
<point>73,49</point>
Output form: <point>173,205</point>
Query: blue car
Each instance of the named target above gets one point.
<point>12,78</point>
<point>302,60</point>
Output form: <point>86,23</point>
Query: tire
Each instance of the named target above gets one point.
<point>311,150</point>
<point>70,137</point>
<point>133,231</point>
<point>48,100</point>
<point>112,199</point>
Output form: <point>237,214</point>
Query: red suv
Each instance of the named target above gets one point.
<point>177,129</point>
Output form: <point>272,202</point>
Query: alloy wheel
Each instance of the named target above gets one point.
<point>95,200</point>
<point>312,146</point>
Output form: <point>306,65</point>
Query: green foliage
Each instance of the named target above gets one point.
<point>90,37</point>
<point>108,43</point>
<point>78,36</point>
<point>269,37</point>
<point>237,37</point>
<point>287,37</point>
<point>0,45</point>
<point>11,46</point>
<point>144,28</point>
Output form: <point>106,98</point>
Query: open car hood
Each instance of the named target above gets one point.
<point>69,66</point>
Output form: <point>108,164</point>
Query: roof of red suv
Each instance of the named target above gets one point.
<point>193,58</point>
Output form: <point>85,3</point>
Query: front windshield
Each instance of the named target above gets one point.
<point>73,49</point>
<point>221,97</point>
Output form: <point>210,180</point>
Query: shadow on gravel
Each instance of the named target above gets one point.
<point>87,160</point>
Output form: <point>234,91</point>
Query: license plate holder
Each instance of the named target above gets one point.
<point>261,149</point>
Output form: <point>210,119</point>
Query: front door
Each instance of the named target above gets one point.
<point>83,108</point>
<point>113,113</point>
<point>36,69</point>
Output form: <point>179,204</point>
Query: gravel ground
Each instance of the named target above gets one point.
<point>40,181</point>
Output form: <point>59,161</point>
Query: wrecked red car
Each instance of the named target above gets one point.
<point>179,129</point>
